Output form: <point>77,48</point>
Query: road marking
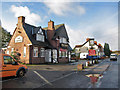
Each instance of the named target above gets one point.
<point>60,78</point>
<point>42,78</point>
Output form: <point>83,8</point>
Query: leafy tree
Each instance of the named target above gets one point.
<point>4,37</point>
<point>107,49</point>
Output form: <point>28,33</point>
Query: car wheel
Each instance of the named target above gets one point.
<point>21,73</point>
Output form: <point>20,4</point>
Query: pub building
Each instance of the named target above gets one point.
<point>40,45</point>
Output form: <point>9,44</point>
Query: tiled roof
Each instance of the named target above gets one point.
<point>28,29</point>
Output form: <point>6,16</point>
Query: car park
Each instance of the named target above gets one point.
<point>10,67</point>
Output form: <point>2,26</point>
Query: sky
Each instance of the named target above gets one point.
<point>82,19</point>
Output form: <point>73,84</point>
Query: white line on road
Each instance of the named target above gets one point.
<point>42,78</point>
<point>60,78</point>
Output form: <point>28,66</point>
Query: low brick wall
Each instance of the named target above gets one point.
<point>63,60</point>
<point>38,60</point>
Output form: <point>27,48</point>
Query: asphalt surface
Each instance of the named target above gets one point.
<point>69,77</point>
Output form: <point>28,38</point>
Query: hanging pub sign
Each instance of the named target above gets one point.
<point>18,39</point>
<point>64,50</point>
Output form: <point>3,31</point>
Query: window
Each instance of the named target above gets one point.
<point>54,53</point>
<point>24,53</point>
<point>7,51</point>
<point>63,40</point>
<point>40,37</point>
<point>59,53</point>
<point>66,54</point>
<point>42,51</point>
<point>8,60</point>
<point>35,52</point>
<point>12,49</point>
<point>63,53</point>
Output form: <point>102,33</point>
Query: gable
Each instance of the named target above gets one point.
<point>19,36</point>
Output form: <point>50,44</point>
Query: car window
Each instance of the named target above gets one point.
<point>7,60</point>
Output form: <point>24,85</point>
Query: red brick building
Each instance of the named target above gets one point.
<point>40,45</point>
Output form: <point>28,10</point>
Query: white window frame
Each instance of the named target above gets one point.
<point>40,37</point>
<point>24,52</point>
<point>12,49</point>
<point>66,54</point>
<point>42,52</point>
<point>63,40</point>
<point>35,50</point>
<point>8,52</point>
<point>59,53</point>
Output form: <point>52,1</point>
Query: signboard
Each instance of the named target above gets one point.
<point>18,39</point>
<point>92,52</point>
<point>64,50</point>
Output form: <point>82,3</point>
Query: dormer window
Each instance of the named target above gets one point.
<point>63,40</point>
<point>40,35</point>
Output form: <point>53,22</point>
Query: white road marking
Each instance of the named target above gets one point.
<point>42,78</point>
<point>60,78</point>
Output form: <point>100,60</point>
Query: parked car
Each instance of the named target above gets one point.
<point>10,67</point>
<point>113,57</point>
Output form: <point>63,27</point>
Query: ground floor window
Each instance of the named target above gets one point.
<point>59,53</point>
<point>35,52</point>
<point>7,51</point>
<point>54,53</point>
<point>24,53</point>
<point>42,51</point>
<point>63,53</point>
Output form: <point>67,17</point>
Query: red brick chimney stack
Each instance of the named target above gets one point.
<point>21,19</point>
<point>50,25</point>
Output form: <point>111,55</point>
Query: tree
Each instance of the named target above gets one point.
<point>107,49</point>
<point>5,37</point>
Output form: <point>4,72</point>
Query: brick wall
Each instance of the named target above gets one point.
<point>36,60</point>
<point>63,60</point>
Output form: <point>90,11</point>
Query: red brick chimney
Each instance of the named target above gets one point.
<point>50,25</point>
<point>50,33</point>
<point>21,19</point>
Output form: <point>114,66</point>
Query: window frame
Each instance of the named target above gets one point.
<point>35,49</point>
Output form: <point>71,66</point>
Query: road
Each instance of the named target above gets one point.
<point>66,76</point>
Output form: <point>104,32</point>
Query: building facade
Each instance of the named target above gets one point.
<point>82,51</point>
<point>40,45</point>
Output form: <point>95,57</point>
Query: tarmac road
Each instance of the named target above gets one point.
<point>65,77</point>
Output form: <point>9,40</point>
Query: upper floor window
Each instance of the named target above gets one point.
<point>63,40</point>
<point>40,35</point>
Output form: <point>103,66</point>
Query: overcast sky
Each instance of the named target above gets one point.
<point>81,19</point>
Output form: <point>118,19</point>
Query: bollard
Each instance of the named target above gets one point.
<point>79,67</point>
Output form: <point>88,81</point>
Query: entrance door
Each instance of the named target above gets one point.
<point>48,55</point>
<point>55,56</point>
